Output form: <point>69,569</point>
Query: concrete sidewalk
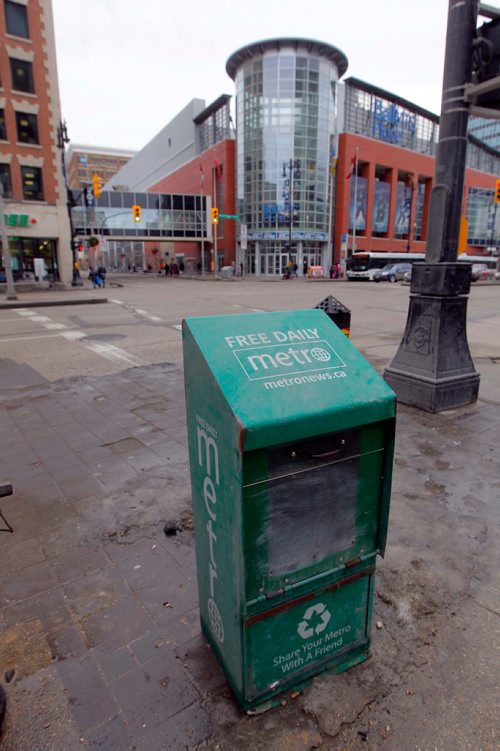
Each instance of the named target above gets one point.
<point>100,645</point>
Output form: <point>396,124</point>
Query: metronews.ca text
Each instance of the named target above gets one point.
<point>281,383</point>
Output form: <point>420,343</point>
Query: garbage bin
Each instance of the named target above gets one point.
<point>291,435</point>
<point>339,313</point>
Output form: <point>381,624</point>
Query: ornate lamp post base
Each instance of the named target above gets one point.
<point>433,369</point>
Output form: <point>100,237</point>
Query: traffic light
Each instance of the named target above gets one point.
<point>497,191</point>
<point>136,213</point>
<point>96,185</point>
<point>215,215</point>
<point>486,60</point>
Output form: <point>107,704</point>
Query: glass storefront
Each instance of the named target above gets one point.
<point>285,122</point>
<point>24,251</point>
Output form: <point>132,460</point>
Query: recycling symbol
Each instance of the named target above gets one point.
<point>305,629</point>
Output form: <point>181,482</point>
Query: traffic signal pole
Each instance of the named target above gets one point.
<point>433,369</point>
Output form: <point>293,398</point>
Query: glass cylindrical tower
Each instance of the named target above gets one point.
<point>285,135</point>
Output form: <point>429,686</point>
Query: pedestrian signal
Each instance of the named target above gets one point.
<point>96,185</point>
<point>215,215</point>
<point>136,213</point>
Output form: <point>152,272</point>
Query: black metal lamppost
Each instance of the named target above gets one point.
<point>433,368</point>
<point>62,140</point>
<point>292,166</point>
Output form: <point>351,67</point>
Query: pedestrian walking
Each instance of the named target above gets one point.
<point>101,271</point>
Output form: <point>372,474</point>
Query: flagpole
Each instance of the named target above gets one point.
<point>329,259</point>
<point>204,225</point>
<point>214,226</point>
<point>355,200</point>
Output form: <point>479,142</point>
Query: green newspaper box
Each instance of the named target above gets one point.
<point>291,440</point>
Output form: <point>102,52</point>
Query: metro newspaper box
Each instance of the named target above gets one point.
<point>291,440</point>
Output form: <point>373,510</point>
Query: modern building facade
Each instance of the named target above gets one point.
<point>211,174</point>
<point>170,149</point>
<point>82,162</point>
<point>286,118</point>
<point>385,171</point>
<point>485,130</point>
<point>35,198</point>
<point>315,169</point>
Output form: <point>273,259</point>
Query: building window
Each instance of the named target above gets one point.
<point>27,128</point>
<point>16,19</point>
<point>22,76</point>
<point>32,183</point>
<point>5,180</point>
<point>3,129</point>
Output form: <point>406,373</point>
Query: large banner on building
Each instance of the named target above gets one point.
<point>357,203</point>
<point>381,200</point>
<point>403,203</point>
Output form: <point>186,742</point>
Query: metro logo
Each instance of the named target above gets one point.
<point>285,359</point>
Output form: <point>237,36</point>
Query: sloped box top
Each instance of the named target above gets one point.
<point>284,375</point>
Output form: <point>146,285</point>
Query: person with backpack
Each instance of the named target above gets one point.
<point>101,271</point>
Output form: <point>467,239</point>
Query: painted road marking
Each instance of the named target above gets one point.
<point>73,335</point>
<point>25,338</point>
<point>109,351</point>
<point>139,311</point>
<point>115,354</point>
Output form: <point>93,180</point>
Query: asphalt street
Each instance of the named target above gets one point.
<point>100,645</point>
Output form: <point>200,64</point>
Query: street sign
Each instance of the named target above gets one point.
<point>229,216</point>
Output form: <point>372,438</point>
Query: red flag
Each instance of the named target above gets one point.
<point>202,176</point>
<point>352,168</point>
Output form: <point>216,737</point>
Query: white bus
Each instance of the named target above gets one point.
<point>362,265</point>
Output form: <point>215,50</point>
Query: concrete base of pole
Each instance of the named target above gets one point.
<point>433,369</point>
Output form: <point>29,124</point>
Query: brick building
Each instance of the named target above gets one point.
<point>84,161</point>
<point>35,199</point>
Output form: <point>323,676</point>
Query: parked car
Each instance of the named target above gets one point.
<point>479,271</point>
<point>391,272</point>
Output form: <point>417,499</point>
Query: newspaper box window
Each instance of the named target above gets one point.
<point>291,440</point>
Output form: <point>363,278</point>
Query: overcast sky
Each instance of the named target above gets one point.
<point>126,67</point>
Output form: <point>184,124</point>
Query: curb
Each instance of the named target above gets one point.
<point>51,303</point>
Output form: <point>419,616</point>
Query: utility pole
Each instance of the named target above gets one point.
<point>7,260</point>
<point>62,140</point>
<point>433,368</point>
